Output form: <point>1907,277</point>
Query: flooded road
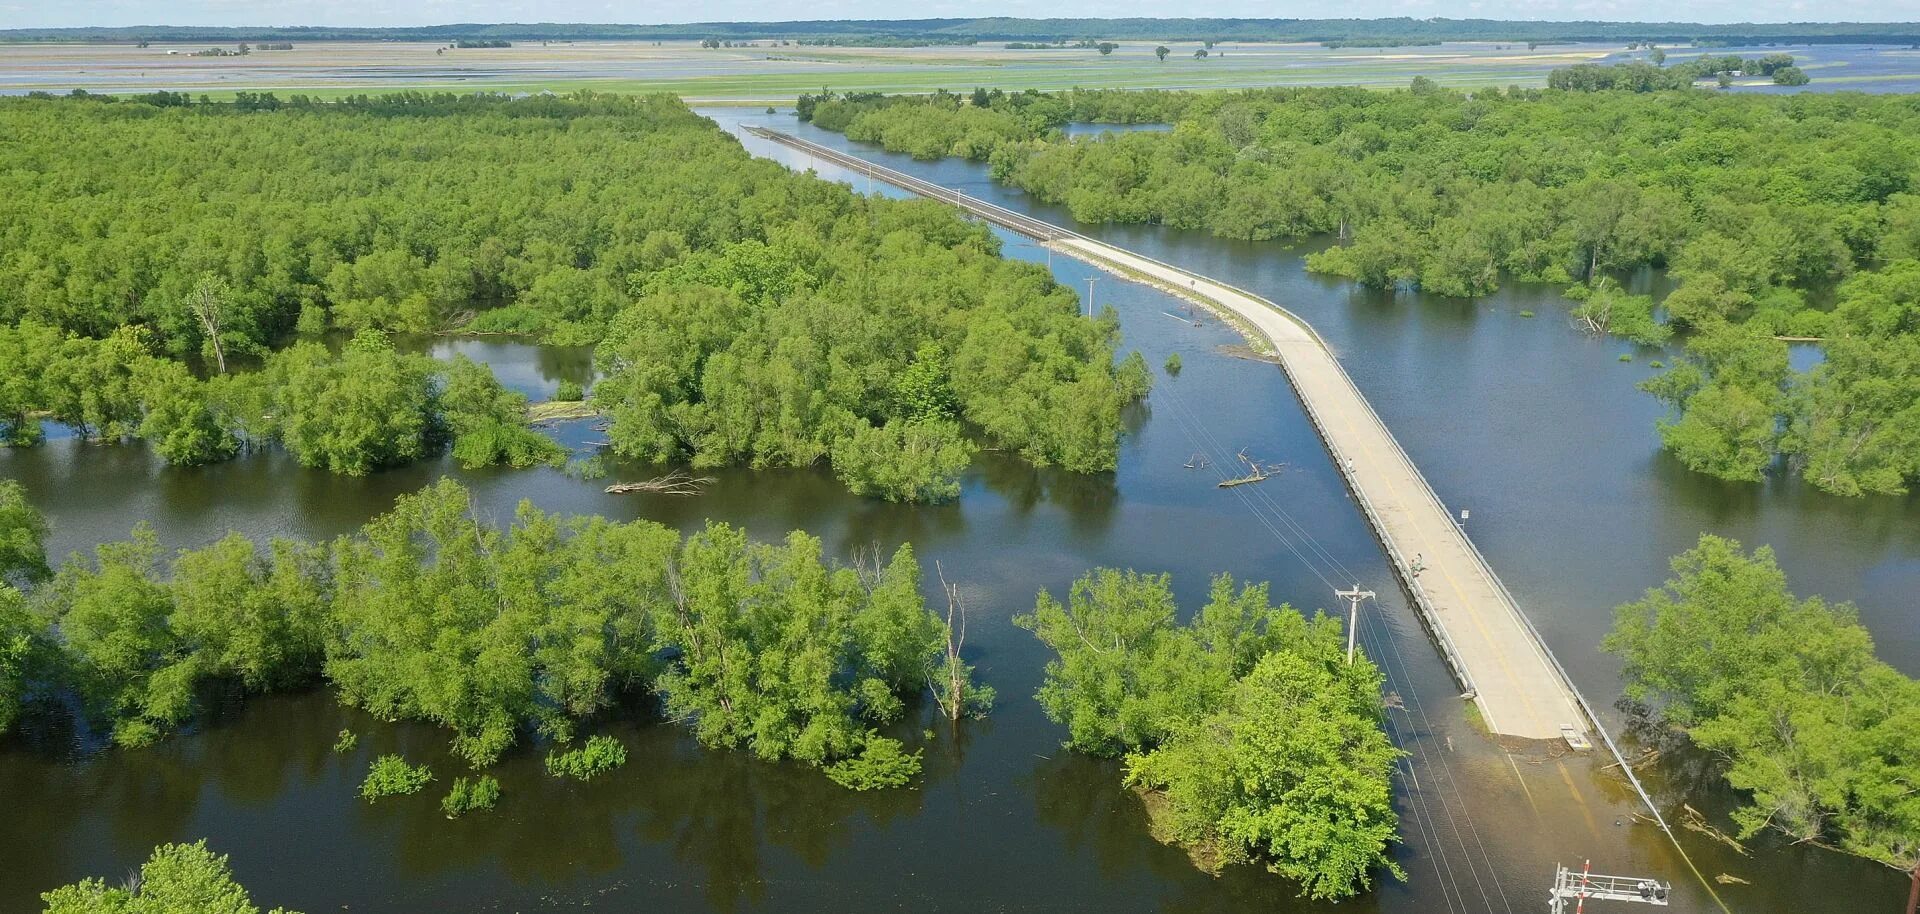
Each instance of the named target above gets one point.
<point>1543,438</point>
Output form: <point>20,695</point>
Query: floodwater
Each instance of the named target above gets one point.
<point>768,73</point>
<point>1533,427</point>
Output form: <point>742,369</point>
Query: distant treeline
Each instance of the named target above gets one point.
<point>1368,32</point>
<point>1637,76</point>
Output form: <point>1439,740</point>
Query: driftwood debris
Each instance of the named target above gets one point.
<point>1692,820</point>
<point>674,483</point>
<point>560,411</point>
<point>1258,472</point>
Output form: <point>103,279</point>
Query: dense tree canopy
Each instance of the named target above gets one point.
<point>1757,205</point>
<point>364,407</point>
<point>1822,737</point>
<point>747,314</point>
<point>497,633</point>
<point>1264,744</point>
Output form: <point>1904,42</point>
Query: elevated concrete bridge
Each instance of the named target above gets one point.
<point>1493,650</point>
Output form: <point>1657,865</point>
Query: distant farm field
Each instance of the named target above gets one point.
<point>769,73</point>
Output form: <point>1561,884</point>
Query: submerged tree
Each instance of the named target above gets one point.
<point>178,878</point>
<point>782,654</point>
<point>1263,743</point>
<point>491,631</point>
<point>1820,735</point>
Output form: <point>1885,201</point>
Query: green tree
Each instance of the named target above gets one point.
<point>1264,744</point>
<point>904,460</point>
<point>1729,393</point>
<point>177,879</point>
<point>181,423</point>
<point>23,641</point>
<point>125,660</point>
<point>392,776</point>
<point>600,755</point>
<point>466,796</point>
<point>259,619</point>
<point>488,422</point>
<point>1856,417</point>
<point>23,537</point>
<point>1817,733</point>
<point>371,407</point>
<point>209,302</point>
<point>1855,422</point>
<point>1605,308</point>
<point>1294,772</point>
<point>28,349</point>
<point>94,385</point>
<point>1125,672</point>
<point>1162,52</point>
<point>777,652</point>
<point>488,632</point>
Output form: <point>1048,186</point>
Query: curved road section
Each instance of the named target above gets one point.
<point>1494,652</point>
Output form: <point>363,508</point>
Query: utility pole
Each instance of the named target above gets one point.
<point>1353,596</point>
<point>1090,281</point>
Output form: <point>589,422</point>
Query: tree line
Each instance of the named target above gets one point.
<point>362,408</point>
<point>1636,76</point>
<point>1246,729</point>
<point>973,125</point>
<point>1759,206</point>
<point>1820,737</point>
<point>503,634</point>
<point>580,219</point>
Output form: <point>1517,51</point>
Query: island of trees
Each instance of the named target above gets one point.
<point>743,313</point>
<point>1782,219</point>
<point>1246,730</point>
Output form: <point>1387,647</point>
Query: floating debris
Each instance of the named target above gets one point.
<point>1259,472</point>
<point>674,483</point>
<point>560,411</point>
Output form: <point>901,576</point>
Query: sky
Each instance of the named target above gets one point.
<point>59,13</point>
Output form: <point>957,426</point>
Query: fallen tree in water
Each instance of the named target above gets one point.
<point>674,483</point>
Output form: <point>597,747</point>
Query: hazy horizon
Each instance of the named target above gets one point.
<point>362,13</point>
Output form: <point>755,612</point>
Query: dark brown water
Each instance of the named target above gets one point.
<point>1533,427</point>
